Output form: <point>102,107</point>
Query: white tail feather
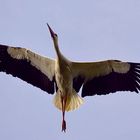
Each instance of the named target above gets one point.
<point>73,101</point>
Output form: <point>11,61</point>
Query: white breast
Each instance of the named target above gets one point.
<point>63,76</point>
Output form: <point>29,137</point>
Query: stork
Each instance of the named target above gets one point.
<point>65,78</point>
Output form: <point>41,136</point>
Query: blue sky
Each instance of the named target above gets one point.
<point>88,30</point>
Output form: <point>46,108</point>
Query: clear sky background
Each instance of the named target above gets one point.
<point>88,30</point>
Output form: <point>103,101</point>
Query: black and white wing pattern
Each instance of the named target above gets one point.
<point>28,66</point>
<point>100,78</point>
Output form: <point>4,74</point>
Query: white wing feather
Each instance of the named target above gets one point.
<point>44,64</point>
<point>90,70</point>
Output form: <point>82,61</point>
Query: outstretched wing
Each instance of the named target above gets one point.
<point>106,77</point>
<point>28,66</point>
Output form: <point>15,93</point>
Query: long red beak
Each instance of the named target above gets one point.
<point>51,31</point>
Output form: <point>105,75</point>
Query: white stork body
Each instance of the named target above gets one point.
<point>66,77</point>
<point>64,80</point>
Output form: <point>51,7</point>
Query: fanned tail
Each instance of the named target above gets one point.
<point>74,101</point>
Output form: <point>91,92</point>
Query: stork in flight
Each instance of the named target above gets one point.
<point>66,77</point>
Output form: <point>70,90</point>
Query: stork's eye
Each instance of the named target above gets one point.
<point>55,35</point>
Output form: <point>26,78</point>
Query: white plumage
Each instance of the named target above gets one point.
<point>44,64</point>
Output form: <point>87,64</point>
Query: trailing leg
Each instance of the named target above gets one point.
<point>63,101</point>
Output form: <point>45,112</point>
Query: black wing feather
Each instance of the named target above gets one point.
<point>110,83</point>
<point>77,83</point>
<point>24,70</point>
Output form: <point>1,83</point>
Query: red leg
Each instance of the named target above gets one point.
<point>63,101</point>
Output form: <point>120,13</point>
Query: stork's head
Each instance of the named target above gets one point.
<point>53,34</point>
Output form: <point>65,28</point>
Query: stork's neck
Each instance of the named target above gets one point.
<point>58,53</point>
